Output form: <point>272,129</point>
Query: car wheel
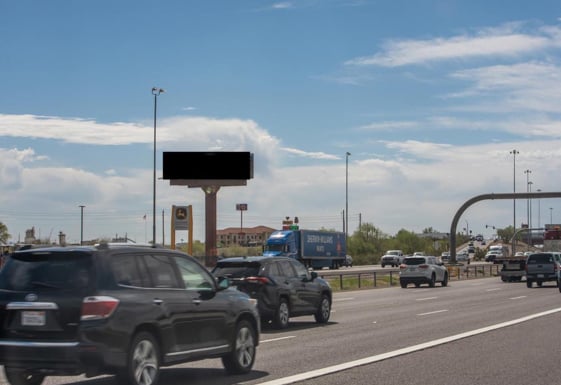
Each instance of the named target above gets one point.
<point>445,280</point>
<point>403,285</point>
<point>22,377</point>
<point>417,285</point>
<point>432,282</point>
<point>282,315</point>
<point>540,283</point>
<point>383,265</point>
<point>528,283</point>
<point>143,361</point>
<point>240,360</point>
<point>324,310</point>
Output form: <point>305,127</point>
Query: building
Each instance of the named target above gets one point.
<point>248,236</point>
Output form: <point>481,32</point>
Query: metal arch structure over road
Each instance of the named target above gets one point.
<point>492,196</point>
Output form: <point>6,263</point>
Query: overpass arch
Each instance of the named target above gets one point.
<point>492,196</point>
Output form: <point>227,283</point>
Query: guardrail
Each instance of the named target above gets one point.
<point>372,279</point>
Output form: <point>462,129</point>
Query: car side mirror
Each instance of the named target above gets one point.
<point>313,275</point>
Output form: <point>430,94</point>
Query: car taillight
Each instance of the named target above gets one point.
<point>260,280</point>
<point>403,266</point>
<point>98,307</point>
<point>423,266</point>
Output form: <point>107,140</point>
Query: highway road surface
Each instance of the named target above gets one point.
<point>480,331</point>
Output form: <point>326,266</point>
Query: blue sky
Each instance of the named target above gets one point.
<point>429,97</point>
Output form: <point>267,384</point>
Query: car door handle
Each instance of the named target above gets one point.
<point>197,301</point>
<point>158,301</point>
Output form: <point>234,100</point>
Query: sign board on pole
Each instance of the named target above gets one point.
<point>181,217</point>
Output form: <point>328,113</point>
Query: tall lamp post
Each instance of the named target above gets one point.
<point>551,215</point>
<point>156,92</point>
<point>81,224</point>
<point>347,195</point>
<point>514,152</point>
<point>528,172</point>
<point>539,210</point>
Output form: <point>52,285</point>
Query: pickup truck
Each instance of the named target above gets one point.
<point>392,258</point>
<point>542,267</point>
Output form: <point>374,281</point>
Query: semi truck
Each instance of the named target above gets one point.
<point>314,248</point>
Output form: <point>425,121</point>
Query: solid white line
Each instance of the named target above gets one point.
<point>433,312</point>
<point>425,299</point>
<point>277,339</point>
<point>522,296</point>
<point>495,289</point>
<point>395,353</point>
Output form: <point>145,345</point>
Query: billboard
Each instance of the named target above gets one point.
<point>225,165</point>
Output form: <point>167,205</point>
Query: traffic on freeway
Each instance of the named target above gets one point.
<point>480,331</point>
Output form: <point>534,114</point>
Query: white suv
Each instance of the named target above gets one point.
<point>420,270</point>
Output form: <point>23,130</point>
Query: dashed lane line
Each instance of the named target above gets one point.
<point>384,356</point>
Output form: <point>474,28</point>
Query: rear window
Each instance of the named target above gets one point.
<point>414,261</point>
<point>44,271</point>
<point>540,258</point>
<point>237,269</point>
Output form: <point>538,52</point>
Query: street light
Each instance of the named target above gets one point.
<point>347,195</point>
<point>528,172</point>
<point>551,215</point>
<point>81,224</point>
<point>514,152</point>
<point>539,210</point>
<point>156,92</point>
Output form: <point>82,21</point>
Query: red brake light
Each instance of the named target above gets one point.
<point>423,266</point>
<point>98,307</point>
<point>403,266</point>
<point>261,280</point>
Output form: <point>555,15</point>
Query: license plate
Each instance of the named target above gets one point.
<point>33,318</point>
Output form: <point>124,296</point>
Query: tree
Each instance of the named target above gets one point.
<point>4,235</point>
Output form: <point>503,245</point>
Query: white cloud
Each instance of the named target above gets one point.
<point>505,41</point>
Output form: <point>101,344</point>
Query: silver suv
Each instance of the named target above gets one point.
<point>420,270</point>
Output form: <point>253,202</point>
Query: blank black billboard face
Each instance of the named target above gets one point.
<point>208,165</point>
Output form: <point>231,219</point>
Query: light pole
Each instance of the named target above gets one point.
<point>514,152</point>
<point>528,172</point>
<point>551,215</point>
<point>539,210</point>
<point>81,224</point>
<point>347,195</point>
<point>156,92</point>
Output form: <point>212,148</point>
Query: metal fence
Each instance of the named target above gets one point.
<point>371,279</point>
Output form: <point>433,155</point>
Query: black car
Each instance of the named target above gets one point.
<point>283,287</point>
<point>123,310</point>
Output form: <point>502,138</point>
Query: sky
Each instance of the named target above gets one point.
<point>429,97</point>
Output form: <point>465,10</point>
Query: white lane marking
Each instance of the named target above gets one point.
<point>343,299</point>
<point>425,299</point>
<point>399,352</point>
<point>277,339</point>
<point>495,289</point>
<point>433,312</point>
<point>522,296</point>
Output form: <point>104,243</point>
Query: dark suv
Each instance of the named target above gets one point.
<point>123,310</point>
<point>283,287</point>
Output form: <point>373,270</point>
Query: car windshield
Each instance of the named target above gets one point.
<point>46,271</point>
<point>540,258</point>
<point>237,269</point>
<point>414,261</point>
